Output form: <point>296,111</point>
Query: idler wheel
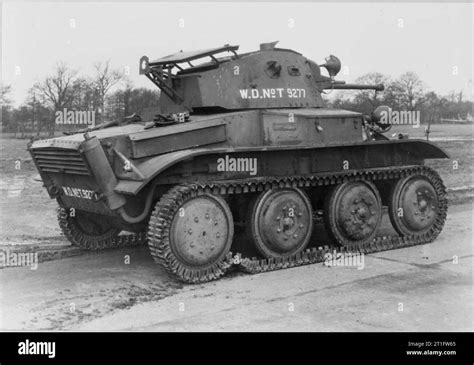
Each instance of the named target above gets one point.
<point>353,211</point>
<point>280,222</point>
<point>413,206</point>
<point>191,235</point>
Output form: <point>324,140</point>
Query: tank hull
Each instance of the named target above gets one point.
<point>237,146</point>
<point>190,186</point>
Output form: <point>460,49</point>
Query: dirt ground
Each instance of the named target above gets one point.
<point>421,288</point>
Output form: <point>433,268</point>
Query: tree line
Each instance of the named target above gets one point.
<point>407,92</point>
<point>108,92</point>
<point>65,88</point>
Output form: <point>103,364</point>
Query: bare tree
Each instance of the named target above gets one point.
<point>409,88</point>
<point>84,94</point>
<point>56,89</point>
<point>104,79</point>
<point>129,100</point>
<point>39,116</point>
<point>5,101</point>
<point>371,97</point>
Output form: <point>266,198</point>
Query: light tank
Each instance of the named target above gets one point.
<point>238,169</point>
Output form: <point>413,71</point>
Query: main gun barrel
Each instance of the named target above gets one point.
<point>341,86</point>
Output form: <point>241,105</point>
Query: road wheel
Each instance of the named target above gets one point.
<point>280,222</point>
<point>190,234</point>
<point>353,211</point>
<point>86,230</point>
<point>414,205</point>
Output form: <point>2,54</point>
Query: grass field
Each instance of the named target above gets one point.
<point>12,150</point>
<point>437,131</point>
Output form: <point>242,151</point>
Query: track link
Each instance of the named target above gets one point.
<point>317,254</point>
<point>96,243</point>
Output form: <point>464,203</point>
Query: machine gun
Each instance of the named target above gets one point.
<point>333,66</point>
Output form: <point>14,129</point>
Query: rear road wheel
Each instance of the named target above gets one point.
<point>413,206</point>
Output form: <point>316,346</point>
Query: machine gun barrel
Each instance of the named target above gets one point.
<point>341,86</point>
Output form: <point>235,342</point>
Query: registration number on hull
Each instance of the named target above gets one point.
<point>78,193</point>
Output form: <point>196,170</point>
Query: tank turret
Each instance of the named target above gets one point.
<point>268,78</point>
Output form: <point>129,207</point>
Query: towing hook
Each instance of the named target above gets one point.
<point>54,190</point>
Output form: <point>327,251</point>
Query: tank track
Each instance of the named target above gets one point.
<point>93,243</point>
<point>315,254</point>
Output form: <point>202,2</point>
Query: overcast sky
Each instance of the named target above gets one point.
<point>435,40</point>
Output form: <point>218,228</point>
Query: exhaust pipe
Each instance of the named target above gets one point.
<point>102,171</point>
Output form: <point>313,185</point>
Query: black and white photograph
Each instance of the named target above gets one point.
<point>237,167</point>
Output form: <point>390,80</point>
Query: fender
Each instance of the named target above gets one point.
<point>418,149</point>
